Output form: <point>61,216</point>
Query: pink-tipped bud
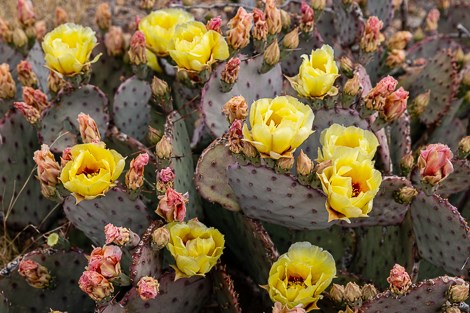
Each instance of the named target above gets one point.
<point>172,205</point>
<point>238,35</point>
<point>137,54</point>
<point>106,261</point>
<point>273,17</point>
<point>88,129</point>
<point>95,285</point>
<point>399,40</point>
<point>432,20</point>
<point>352,293</point>
<point>435,164</point>
<point>281,308</point>
<point>35,98</point>
<point>260,29</point>
<point>164,149</point>
<point>66,156</point>
<point>372,37</point>
<point>103,16</point>
<point>7,84</point>
<point>40,28</point>
<point>236,109</point>
<point>120,236</point>
<point>36,275</point>
<point>165,179</point>
<point>48,170</point>
<point>395,105</point>
<point>147,288</point>
<point>399,280</point>
<point>375,99</point>
<point>336,293</point>
<point>31,114</point>
<point>214,24</point>
<point>229,74</point>
<point>304,164</point>
<point>160,238</point>
<point>25,13</point>
<point>307,21</point>
<point>395,58</point>
<point>61,16</point>
<point>26,76</point>
<point>135,174</point>
<point>235,136</point>
<point>55,82</point>
<point>114,41</point>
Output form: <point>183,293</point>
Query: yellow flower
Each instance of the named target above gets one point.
<point>337,138</point>
<point>317,74</point>
<point>350,185</point>
<point>195,247</point>
<point>299,276</point>
<point>196,48</point>
<point>278,126</point>
<point>159,28</point>
<point>68,48</point>
<point>152,61</point>
<point>91,171</point>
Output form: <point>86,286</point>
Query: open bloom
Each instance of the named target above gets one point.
<point>434,163</point>
<point>91,171</point>
<point>299,276</point>
<point>350,186</point>
<point>195,48</point>
<point>147,288</point>
<point>68,48</point>
<point>278,126</point>
<point>106,261</point>
<point>159,28</point>
<point>195,247</point>
<point>317,74</point>
<point>338,138</point>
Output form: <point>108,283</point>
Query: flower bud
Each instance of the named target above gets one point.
<point>395,105</point>
<point>19,38</point>
<point>53,239</point>
<point>154,135</point>
<point>337,293</point>
<point>249,150</point>
<point>25,13</point>
<point>320,167</point>
<point>272,53</point>
<point>103,16</point>
<point>164,149</point>
<point>458,293</point>
<point>443,4</point>
<point>307,18</point>
<point>304,165</point>
<point>395,58</point>
<point>26,76</point>
<point>318,5</point>
<point>135,174</point>
<point>375,99</point>
<point>172,205</point>
<point>31,114</point>
<point>147,288</point>
<point>406,194</point>
<point>214,24</point>
<point>66,156</point>
<point>399,40</point>
<point>273,17</point>
<point>147,4</point>
<point>353,86</point>
<point>238,35</point>
<point>346,66</point>
<point>407,163</point>
<point>229,74</point>
<point>452,309</point>
<point>165,179</point>
<point>36,98</point>
<point>120,236</point>
<point>48,170</point>
<point>235,136</point>
<point>280,308</point>
<point>260,29</point>
<point>372,37</point>
<point>368,292</point>
<point>285,164</point>
<point>236,109</point>
<point>285,19</point>
<point>7,84</point>
<point>160,88</point>
<point>95,285</point>
<point>36,275</point>
<point>399,280</point>
<point>291,40</point>
<point>160,238</point>
<point>5,31</point>
<point>40,29</point>
<point>106,261</point>
<point>352,293</point>
<point>420,103</point>
<point>464,147</point>
<point>137,53</point>
<point>114,41</point>
<point>435,164</point>
<point>55,82</point>
<point>61,16</point>
<point>88,129</point>
<point>432,20</point>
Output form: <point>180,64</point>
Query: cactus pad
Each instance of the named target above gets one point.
<point>9,55</point>
<point>348,22</point>
<point>224,290</point>
<point>455,15</point>
<point>429,47</point>
<point>400,140</point>
<point>36,58</point>
<point>457,181</point>
<point>290,66</point>
<point>383,9</point>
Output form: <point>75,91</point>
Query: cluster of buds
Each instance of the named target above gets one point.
<point>238,35</point>
<point>48,171</point>
<point>88,129</point>
<point>352,294</point>
<point>36,275</point>
<point>229,74</point>
<point>135,174</point>
<point>215,24</point>
<point>435,163</point>
<point>7,84</point>
<point>160,238</point>
<point>372,37</point>
<point>307,22</point>
<point>26,76</point>
<point>399,280</point>
<point>114,41</point>
<point>120,236</point>
<point>103,16</point>
<point>172,205</point>
<point>163,148</point>
<point>165,179</point>
<point>33,105</point>
<point>273,17</point>
<point>147,288</point>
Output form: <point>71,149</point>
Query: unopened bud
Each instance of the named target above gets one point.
<point>399,40</point>
<point>103,16</point>
<point>7,84</point>
<point>114,41</point>
<point>337,293</point>
<point>147,4</point>
<point>165,179</point>
<point>395,105</point>
<point>284,308</point>
<point>25,11</point>
<point>307,22</point>
<point>66,156</point>
<point>291,40</point>
<point>159,87</point>
<point>418,35</point>
<point>407,163</point>
<point>249,150</point>
<point>452,309</point>
<point>88,129</point>
<point>48,170</point>
<point>285,19</point>
<point>154,135</point>
<point>238,35</point>
<point>318,5</point>
<point>458,293</point>
<point>120,236</point>
<point>214,24</point>
<point>95,285</point>
<point>432,20</point>
<point>55,82</point>
<point>395,58</point>
<point>236,109</point>
<point>260,29</point>
<point>272,53</point>
<point>285,164</point>
<point>346,66</point>
<point>229,74</point>
<point>5,31</point>
<point>19,38</point>
<point>137,53</point>
<point>147,288</point>
<point>375,99</point>
<point>372,37</point>
<point>235,136</point>
<point>31,114</point>
<point>304,164</point>
<point>26,76</point>
<point>40,29</point>
<point>368,292</point>
<point>36,275</point>
<point>420,103</point>
<point>352,293</point>
<point>399,280</point>
<point>273,17</point>
<point>435,163</point>
<point>353,86</point>
<point>135,174</point>
<point>61,16</point>
<point>164,148</point>
<point>35,98</point>
<point>160,238</point>
<point>320,167</point>
<point>464,147</point>
<point>406,194</point>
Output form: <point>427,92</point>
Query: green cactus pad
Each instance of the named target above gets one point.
<point>383,9</point>
<point>383,158</point>
<point>131,109</point>
<point>278,199</point>
<point>20,198</point>
<point>211,175</point>
<point>183,295</point>
<point>112,307</point>
<point>115,207</point>
<point>442,235</point>
<point>455,15</point>
<point>36,58</point>
<point>59,124</point>
<point>348,22</point>
<point>4,304</point>
<point>427,296</point>
<point>429,271</point>
<point>145,260</point>
<point>386,211</point>
<point>224,290</point>
<point>250,84</point>
<point>400,140</point>
<point>457,181</point>
<point>326,28</point>
<point>65,267</point>
<point>9,55</point>
<point>430,46</point>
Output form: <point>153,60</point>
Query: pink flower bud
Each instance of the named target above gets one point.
<point>135,174</point>
<point>35,98</point>
<point>235,136</point>
<point>214,24</point>
<point>48,170</point>
<point>26,76</point>
<point>5,31</point>
<point>26,14</point>
<point>172,205</point>
<point>372,37</point>
<point>238,35</point>
<point>165,179</point>
<point>95,285</point>
<point>435,164</point>
<point>230,72</point>
<point>375,99</point>
<point>120,236</point>
<point>66,156</point>
<point>61,16</point>
<point>88,129</point>
<point>147,288</point>
<point>106,261</point>
<point>31,114</point>
<point>114,41</point>
<point>40,29</point>
<point>399,279</point>
<point>36,275</point>
<point>260,29</point>
<point>432,20</point>
<point>395,105</point>
<point>7,84</point>
<point>280,308</point>
<point>137,52</point>
<point>307,19</point>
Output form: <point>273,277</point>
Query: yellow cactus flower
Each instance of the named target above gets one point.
<point>299,276</point>
<point>278,126</point>
<point>317,74</point>
<point>68,48</point>
<point>196,48</point>
<point>159,27</point>
<point>350,186</point>
<point>152,61</point>
<point>92,170</point>
<point>338,138</point>
<point>195,247</point>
